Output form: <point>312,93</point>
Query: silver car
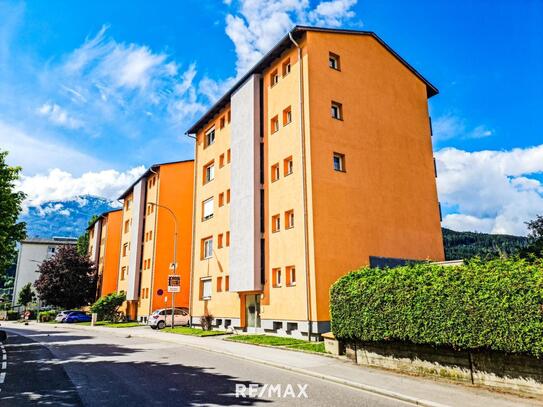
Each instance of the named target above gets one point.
<point>163,317</point>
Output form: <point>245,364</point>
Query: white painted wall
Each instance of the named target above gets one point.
<point>245,188</point>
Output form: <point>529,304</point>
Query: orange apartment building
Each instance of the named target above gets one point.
<point>104,249</point>
<point>163,193</point>
<point>316,162</point>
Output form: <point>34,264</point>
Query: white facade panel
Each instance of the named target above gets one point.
<point>136,230</point>
<point>245,188</point>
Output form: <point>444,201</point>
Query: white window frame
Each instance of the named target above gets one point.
<point>207,288</point>
<point>208,248</point>
<point>336,111</point>
<point>208,209</point>
<point>333,61</point>
<point>209,140</point>
<point>210,172</point>
<point>341,159</point>
<point>292,272</point>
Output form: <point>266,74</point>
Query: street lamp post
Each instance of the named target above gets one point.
<point>174,263</point>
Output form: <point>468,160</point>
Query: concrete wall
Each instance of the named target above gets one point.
<point>516,373</point>
<point>96,237</point>
<point>245,187</point>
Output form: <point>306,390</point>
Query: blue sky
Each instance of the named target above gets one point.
<point>92,91</point>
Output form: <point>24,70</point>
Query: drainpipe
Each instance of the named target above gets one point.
<point>304,185</point>
<point>191,279</point>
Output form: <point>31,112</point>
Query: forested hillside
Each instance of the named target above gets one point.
<point>464,245</point>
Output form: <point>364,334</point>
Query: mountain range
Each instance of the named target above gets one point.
<point>68,218</point>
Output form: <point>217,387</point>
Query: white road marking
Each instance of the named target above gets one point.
<point>4,364</point>
<point>2,377</point>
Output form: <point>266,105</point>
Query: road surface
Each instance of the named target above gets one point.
<point>63,367</point>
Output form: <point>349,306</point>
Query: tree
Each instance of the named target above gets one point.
<point>535,239</point>
<point>83,240</point>
<point>26,295</point>
<point>106,307</point>
<point>67,279</point>
<point>11,231</point>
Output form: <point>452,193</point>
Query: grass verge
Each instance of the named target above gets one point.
<point>281,342</point>
<point>185,330</point>
<point>112,324</point>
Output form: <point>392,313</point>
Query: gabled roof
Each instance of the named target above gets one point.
<point>147,172</point>
<point>284,44</point>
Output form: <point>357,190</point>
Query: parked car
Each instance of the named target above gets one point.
<point>77,316</point>
<point>63,314</point>
<point>162,317</point>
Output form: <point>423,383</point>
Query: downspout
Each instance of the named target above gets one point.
<point>304,187</point>
<point>191,280</point>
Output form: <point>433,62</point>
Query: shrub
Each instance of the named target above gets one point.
<point>495,305</point>
<point>206,322</point>
<point>46,316</point>
<point>13,315</point>
<point>106,307</point>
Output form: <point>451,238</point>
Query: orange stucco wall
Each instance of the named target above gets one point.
<point>112,250</point>
<point>176,192</point>
<point>385,204</point>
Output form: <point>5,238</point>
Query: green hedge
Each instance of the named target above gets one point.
<point>13,315</point>
<point>495,304</point>
<point>46,316</point>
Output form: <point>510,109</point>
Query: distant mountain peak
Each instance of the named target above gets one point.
<point>65,217</point>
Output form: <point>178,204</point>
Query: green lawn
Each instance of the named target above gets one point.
<point>185,330</point>
<point>288,343</point>
<point>112,324</point>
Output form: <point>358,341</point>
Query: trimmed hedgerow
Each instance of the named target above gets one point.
<point>495,304</point>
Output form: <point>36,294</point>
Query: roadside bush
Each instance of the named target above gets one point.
<point>496,304</point>
<point>13,315</point>
<point>46,316</point>
<point>106,307</point>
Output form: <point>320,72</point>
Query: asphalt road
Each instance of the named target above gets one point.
<point>65,368</point>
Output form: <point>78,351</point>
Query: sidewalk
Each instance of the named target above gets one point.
<point>416,390</point>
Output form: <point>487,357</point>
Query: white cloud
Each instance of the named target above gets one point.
<point>37,153</point>
<point>494,191</point>
<point>58,115</point>
<point>52,208</point>
<point>259,24</point>
<point>450,126</point>
<point>59,185</point>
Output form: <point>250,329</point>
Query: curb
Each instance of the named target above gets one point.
<point>359,386</point>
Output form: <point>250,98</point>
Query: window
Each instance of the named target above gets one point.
<point>219,241</point>
<point>287,116</point>
<point>227,196</point>
<point>227,238</point>
<point>150,235</point>
<point>209,172</point>
<point>276,277</point>
<point>52,249</point>
<point>219,284</point>
<point>288,166</point>
<point>228,156</point>
<point>274,124</point>
<point>226,283</point>
<point>207,247</point>
<point>221,161</point>
<point>127,204</point>
<point>209,137</point>
<point>333,61</point>
<point>289,219</point>
<point>221,199</point>
<point>290,271</point>
<point>286,67</point>
<point>276,223</point>
<point>274,78</point>
<point>206,288</point>
<point>207,209</point>
<point>337,111</point>
<point>123,272</point>
<point>154,180</point>
<point>126,226</point>
<point>339,162</point>
<point>125,249</point>
<point>221,123</point>
<point>275,172</point>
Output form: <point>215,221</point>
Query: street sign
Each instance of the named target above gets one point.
<point>174,283</point>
